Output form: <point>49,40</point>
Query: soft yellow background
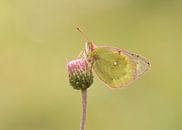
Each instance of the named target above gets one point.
<point>37,35</point>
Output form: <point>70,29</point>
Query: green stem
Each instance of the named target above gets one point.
<point>84,109</point>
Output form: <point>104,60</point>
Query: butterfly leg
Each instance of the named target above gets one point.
<point>82,54</point>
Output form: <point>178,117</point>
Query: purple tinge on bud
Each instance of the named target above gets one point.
<point>80,74</point>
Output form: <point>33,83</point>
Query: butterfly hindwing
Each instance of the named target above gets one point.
<point>115,68</point>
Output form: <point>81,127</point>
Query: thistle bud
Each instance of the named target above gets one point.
<point>80,74</point>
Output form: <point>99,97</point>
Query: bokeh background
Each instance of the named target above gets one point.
<point>37,35</point>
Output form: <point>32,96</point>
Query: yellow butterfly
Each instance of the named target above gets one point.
<point>116,67</point>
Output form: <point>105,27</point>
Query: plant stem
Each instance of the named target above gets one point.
<point>84,109</point>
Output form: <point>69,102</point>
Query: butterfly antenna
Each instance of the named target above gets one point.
<point>83,34</point>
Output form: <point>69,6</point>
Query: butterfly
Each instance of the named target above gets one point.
<point>116,67</point>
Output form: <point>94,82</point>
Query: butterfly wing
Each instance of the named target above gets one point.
<point>142,64</point>
<point>115,68</point>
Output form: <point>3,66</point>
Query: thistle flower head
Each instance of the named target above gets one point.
<point>80,73</point>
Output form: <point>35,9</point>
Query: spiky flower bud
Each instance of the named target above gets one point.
<point>80,74</point>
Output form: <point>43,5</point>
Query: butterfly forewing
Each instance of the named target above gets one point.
<point>142,64</point>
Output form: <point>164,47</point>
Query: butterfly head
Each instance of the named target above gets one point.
<point>90,46</point>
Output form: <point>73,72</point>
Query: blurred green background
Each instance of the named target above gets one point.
<point>37,35</point>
